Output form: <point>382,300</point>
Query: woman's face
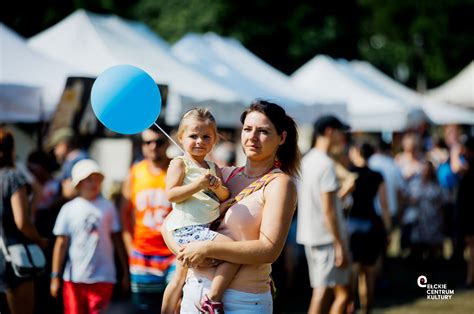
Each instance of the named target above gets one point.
<point>259,137</point>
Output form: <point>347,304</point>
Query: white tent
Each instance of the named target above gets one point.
<point>94,43</point>
<point>229,62</point>
<point>369,109</point>
<point>31,83</point>
<point>20,103</point>
<point>459,90</point>
<point>438,112</point>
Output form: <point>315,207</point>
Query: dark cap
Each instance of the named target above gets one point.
<point>329,121</point>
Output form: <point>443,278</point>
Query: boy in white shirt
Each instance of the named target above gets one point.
<point>87,231</point>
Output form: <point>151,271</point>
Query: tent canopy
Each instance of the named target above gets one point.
<point>20,103</point>
<point>94,43</point>
<point>31,83</point>
<point>437,112</point>
<point>229,62</point>
<point>459,90</point>
<point>369,109</point>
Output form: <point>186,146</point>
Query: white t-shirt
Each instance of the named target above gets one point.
<point>393,180</point>
<point>89,226</point>
<point>318,176</point>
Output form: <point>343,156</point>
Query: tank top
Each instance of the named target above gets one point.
<point>201,207</point>
<point>242,222</point>
<point>151,207</point>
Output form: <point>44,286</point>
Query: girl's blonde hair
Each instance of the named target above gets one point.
<point>200,114</point>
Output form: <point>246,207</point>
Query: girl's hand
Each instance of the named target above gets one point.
<point>209,182</point>
<point>215,183</point>
<point>204,181</point>
<point>193,254</point>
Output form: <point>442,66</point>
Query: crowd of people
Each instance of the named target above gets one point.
<point>195,233</point>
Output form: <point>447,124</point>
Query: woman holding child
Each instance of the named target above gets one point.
<point>257,220</point>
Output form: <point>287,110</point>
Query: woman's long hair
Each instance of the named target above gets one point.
<point>6,149</point>
<point>288,154</point>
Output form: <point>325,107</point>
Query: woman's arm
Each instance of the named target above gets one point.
<point>175,191</point>
<point>22,218</point>
<point>280,204</point>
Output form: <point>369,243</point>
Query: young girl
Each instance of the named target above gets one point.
<point>194,187</point>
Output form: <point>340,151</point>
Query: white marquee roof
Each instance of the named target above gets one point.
<point>32,83</point>
<point>369,109</point>
<point>94,43</point>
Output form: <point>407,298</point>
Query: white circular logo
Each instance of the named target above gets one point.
<point>421,281</point>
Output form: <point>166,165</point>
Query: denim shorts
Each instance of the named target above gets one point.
<point>235,302</point>
<point>194,233</point>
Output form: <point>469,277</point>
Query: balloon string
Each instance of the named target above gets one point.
<point>169,137</point>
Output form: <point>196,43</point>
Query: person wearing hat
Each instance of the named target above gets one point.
<point>63,143</point>
<point>320,223</point>
<point>87,231</point>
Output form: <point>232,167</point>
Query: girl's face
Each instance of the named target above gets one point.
<point>198,138</point>
<point>259,137</point>
<point>90,187</point>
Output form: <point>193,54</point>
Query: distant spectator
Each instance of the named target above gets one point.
<point>409,159</point>
<point>439,152</point>
<point>65,146</point>
<point>16,227</point>
<point>465,207</point>
<point>367,231</point>
<point>320,221</point>
<point>426,198</point>
<point>144,209</point>
<point>49,199</point>
<point>382,162</point>
<point>47,202</point>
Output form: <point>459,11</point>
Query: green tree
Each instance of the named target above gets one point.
<point>431,38</point>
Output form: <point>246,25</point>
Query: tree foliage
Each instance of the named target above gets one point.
<point>428,39</point>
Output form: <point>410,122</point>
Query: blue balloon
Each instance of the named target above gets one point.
<point>126,99</point>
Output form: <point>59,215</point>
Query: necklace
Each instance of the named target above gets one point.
<point>242,173</point>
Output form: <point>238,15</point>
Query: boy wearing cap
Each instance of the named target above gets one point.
<point>87,230</point>
<point>320,224</point>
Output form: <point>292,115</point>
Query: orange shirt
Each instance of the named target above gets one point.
<point>150,207</point>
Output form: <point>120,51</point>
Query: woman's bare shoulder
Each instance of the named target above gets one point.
<point>282,183</point>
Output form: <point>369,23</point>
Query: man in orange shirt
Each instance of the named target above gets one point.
<point>145,207</point>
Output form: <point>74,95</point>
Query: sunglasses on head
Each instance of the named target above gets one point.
<point>158,142</point>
